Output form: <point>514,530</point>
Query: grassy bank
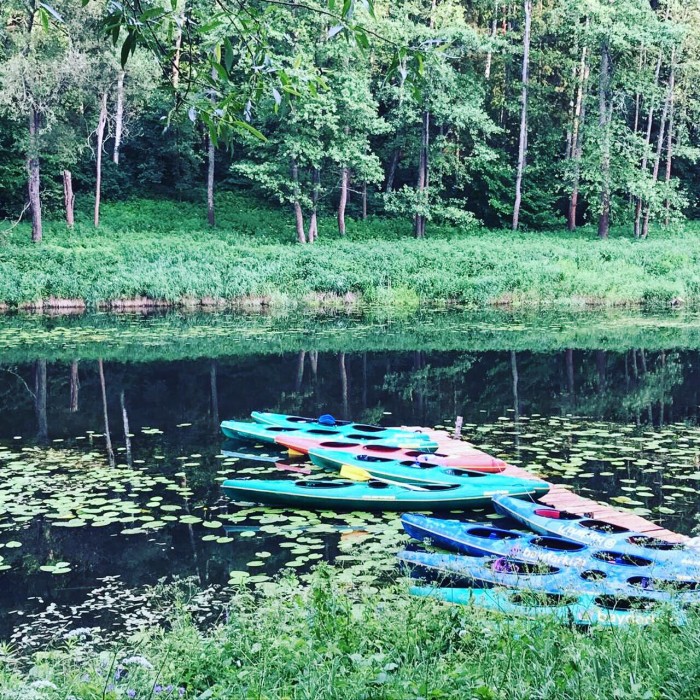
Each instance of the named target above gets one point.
<point>325,643</point>
<point>163,251</point>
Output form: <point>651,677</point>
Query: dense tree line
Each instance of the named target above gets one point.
<point>527,113</point>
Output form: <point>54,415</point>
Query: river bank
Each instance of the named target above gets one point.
<point>158,253</point>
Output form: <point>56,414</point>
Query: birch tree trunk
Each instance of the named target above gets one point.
<point>42,433</point>
<point>125,424</point>
<point>605,115</point>
<point>313,224</point>
<point>344,181</point>
<point>100,144</point>
<point>364,200</point>
<point>395,158</point>
<point>211,156</point>
<point>577,136</point>
<point>68,198</point>
<point>105,414</point>
<point>34,177</point>
<point>522,142</point>
<point>298,214</point>
<point>422,181</point>
<point>669,146</point>
<point>74,387</point>
<point>119,117</point>
<point>489,55</point>
<point>178,44</point>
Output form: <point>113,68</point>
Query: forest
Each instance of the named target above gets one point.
<point>534,115</point>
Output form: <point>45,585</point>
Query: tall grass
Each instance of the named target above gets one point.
<point>162,250</point>
<point>332,643</point>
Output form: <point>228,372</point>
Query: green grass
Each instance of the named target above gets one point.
<point>164,251</point>
<point>327,643</point>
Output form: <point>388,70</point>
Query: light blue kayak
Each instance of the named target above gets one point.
<point>602,611</point>
<point>261,432</point>
<point>352,431</point>
<point>595,533</point>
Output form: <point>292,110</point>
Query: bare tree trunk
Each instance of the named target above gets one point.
<point>344,181</point>
<point>669,146</point>
<point>657,161</point>
<point>42,432</point>
<point>494,24</point>
<point>119,117</point>
<point>313,223</point>
<point>522,141</point>
<point>515,380</point>
<point>178,45</point>
<point>570,373</point>
<point>313,360</point>
<point>298,214</point>
<point>395,158</point>
<point>127,432</point>
<point>74,386</point>
<point>577,137</point>
<point>301,358</point>
<point>34,182</point>
<point>605,115</point>
<point>105,414</point>
<point>422,180</point>
<point>100,144</point>
<point>211,155</point>
<point>647,141</point>
<point>344,384</point>
<point>214,390</point>
<point>68,198</point>
<point>364,200</point>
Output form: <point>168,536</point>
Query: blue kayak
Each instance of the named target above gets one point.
<point>261,432</point>
<point>480,540</point>
<point>545,578</point>
<point>352,431</point>
<point>596,610</point>
<point>424,472</point>
<point>595,533</point>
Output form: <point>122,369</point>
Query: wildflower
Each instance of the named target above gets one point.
<point>138,661</point>
<point>158,689</point>
<point>85,677</point>
<point>180,691</point>
<point>43,684</point>
<point>131,693</point>
<point>78,632</point>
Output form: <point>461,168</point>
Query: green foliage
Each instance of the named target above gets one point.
<point>332,641</point>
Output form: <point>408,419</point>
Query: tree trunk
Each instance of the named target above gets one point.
<point>42,432</point>
<point>68,198</point>
<point>494,24</point>
<point>127,432</point>
<point>105,414</point>
<point>100,144</point>
<point>522,142</point>
<point>298,214</point>
<point>515,380</point>
<point>178,44</point>
<point>301,361</point>
<point>344,385</point>
<point>364,200</point>
<point>74,386</point>
<point>119,117</point>
<point>313,223</point>
<point>657,160</point>
<point>669,146</point>
<point>344,182</point>
<point>34,182</point>
<point>211,154</point>
<point>604,121</point>
<point>577,137</point>
<point>395,158</point>
<point>214,390</point>
<point>422,180</point>
<point>570,373</point>
<point>645,154</point>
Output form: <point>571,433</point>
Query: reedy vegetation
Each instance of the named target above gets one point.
<point>339,643</point>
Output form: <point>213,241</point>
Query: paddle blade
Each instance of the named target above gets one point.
<point>348,471</point>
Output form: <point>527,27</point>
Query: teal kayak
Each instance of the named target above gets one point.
<point>334,494</point>
<point>347,429</point>
<point>410,471</point>
<point>261,432</point>
<point>606,611</point>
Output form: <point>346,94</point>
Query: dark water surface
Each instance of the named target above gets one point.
<point>605,402</point>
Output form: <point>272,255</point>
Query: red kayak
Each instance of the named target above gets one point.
<point>474,459</point>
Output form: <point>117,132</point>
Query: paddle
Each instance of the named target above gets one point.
<point>350,471</point>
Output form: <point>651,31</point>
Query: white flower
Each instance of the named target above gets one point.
<point>137,661</point>
<point>43,684</point>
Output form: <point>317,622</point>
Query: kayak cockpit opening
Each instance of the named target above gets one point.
<point>555,514</point>
<point>367,428</point>
<point>593,575</point>
<point>332,445</point>
<point>656,584</point>
<point>417,454</point>
<point>505,565</point>
<point>364,437</point>
<point>439,487</point>
<point>465,473</point>
<point>653,543</point>
<point>374,484</point>
<point>321,431</point>
<point>602,526</point>
<point>373,459</point>
<point>492,533</point>
<point>323,484</point>
<point>382,448</point>
<point>557,544</point>
<point>611,602</point>
<point>621,559</point>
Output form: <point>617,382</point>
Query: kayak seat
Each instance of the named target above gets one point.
<point>555,514</point>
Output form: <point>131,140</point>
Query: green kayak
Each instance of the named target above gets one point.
<point>409,471</point>
<point>350,495</point>
<point>347,429</point>
<point>261,432</point>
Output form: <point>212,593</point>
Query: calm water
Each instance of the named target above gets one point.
<point>612,413</point>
